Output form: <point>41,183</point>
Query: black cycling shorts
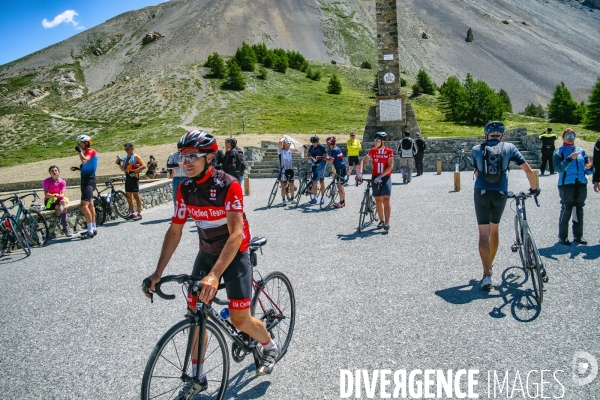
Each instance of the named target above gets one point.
<point>340,176</point>
<point>489,206</point>
<point>287,176</point>
<point>384,188</point>
<point>237,277</point>
<point>353,160</point>
<point>88,185</point>
<point>132,184</point>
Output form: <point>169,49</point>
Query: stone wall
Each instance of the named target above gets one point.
<point>152,195</point>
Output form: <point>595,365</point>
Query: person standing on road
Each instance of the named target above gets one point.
<point>421,146</point>
<point>337,159</point>
<point>407,150</point>
<point>573,164</point>
<point>354,147</point>
<point>176,172</point>
<point>54,197</point>
<point>132,165</point>
<point>491,160</point>
<point>214,200</point>
<point>317,154</point>
<point>233,163</point>
<point>596,177</point>
<point>383,164</point>
<point>286,168</point>
<point>548,138</point>
<point>89,164</point>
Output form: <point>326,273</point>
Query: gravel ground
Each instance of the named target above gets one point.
<point>74,323</point>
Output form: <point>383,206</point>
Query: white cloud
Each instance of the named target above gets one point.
<point>64,17</point>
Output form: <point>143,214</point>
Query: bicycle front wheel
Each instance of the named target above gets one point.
<point>535,265</point>
<point>99,208</point>
<point>273,193</point>
<point>163,376</point>
<point>328,196</point>
<point>120,204</point>
<point>35,227</point>
<point>19,236</point>
<point>372,209</point>
<point>462,163</point>
<point>519,244</point>
<point>364,210</point>
<point>299,190</point>
<point>274,304</point>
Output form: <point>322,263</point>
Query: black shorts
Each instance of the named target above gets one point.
<point>384,188</point>
<point>287,176</point>
<point>489,206</point>
<point>340,176</point>
<point>237,277</point>
<point>353,160</point>
<point>88,185</point>
<point>132,184</point>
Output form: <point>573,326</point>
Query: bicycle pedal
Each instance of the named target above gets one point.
<point>514,248</point>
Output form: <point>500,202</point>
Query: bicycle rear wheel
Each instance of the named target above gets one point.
<point>535,265</point>
<point>99,204</point>
<point>299,191</point>
<point>19,236</point>
<point>120,204</point>
<point>35,227</point>
<point>273,193</point>
<point>165,368</point>
<point>462,163</point>
<point>274,304</point>
<point>372,208</point>
<point>328,196</point>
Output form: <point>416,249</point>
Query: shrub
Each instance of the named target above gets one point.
<point>334,86</point>
<point>296,61</point>
<point>424,83</point>
<point>260,50</point>
<point>217,66</point>
<point>366,65</point>
<point>333,62</point>
<point>235,79</point>
<point>280,64</point>
<point>262,73</point>
<point>534,111</point>
<point>269,59</point>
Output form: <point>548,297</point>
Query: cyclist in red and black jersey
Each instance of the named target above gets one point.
<point>214,200</point>
<point>383,164</point>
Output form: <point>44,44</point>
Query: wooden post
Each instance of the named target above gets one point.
<point>457,181</point>
<point>439,167</point>
<point>247,186</point>
<point>536,175</point>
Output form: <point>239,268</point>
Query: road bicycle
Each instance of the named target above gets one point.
<point>525,246</point>
<point>305,186</point>
<point>30,220</point>
<point>331,193</point>
<point>367,206</point>
<point>169,373</point>
<point>11,235</point>
<point>114,201</point>
<point>277,188</point>
<point>462,160</point>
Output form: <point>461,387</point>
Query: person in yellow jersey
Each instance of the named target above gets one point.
<point>354,147</point>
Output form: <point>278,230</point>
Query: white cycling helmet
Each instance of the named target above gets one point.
<point>84,138</point>
<point>287,141</point>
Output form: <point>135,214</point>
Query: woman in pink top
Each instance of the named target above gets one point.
<point>54,197</point>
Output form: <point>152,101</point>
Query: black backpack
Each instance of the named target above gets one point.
<point>492,162</point>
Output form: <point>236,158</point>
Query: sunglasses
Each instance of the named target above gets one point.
<point>190,158</point>
<point>570,136</point>
<point>377,140</point>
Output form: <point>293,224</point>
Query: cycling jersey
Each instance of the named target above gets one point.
<point>285,159</point>
<point>207,202</point>
<point>89,168</point>
<point>354,147</point>
<point>509,153</point>
<point>338,158</point>
<point>318,151</point>
<point>381,159</point>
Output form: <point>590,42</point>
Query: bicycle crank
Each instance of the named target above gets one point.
<point>238,353</point>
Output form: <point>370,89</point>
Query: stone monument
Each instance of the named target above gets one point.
<point>391,113</point>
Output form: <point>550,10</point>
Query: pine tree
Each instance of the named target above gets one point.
<point>260,50</point>
<point>562,107</point>
<point>235,79</point>
<point>452,97</point>
<point>534,111</point>
<point>245,57</point>
<point>592,114</point>
<point>217,66</point>
<point>334,86</point>
<point>424,83</point>
<point>262,73</point>
<point>506,100</point>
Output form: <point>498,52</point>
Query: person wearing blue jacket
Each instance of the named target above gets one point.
<point>572,164</point>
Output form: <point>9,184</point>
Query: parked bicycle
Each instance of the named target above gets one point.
<point>525,246</point>
<point>11,235</point>
<point>331,193</point>
<point>169,367</point>
<point>277,188</point>
<point>462,160</point>
<point>305,186</point>
<point>114,201</point>
<point>367,206</point>
<point>32,221</point>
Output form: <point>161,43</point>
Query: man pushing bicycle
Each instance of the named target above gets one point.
<point>214,200</point>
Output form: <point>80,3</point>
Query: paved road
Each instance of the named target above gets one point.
<point>74,324</point>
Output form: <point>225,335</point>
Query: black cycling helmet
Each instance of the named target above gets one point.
<point>314,139</point>
<point>494,126</point>
<point>199,139</point>
<point>380,135</point>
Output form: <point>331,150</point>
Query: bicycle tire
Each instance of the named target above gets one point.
<point>99,204</point>
<point>519,244</point>
<point>462,163</point>
<point>164,370</point>
<point>373,209</point>
<point>4,242</point>
<point>299,190</point>
<point>119,203</point>
<point>327,197</point>
<point>273,193</point>
<point>35,227</point>
<point>535,265</point>
<point>362,214</point>
<point>21,240</point>
<point>276,303</point>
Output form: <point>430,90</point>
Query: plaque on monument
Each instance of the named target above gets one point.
<point>390,110</point>
<point>387,57</point>
<point>389,77</point>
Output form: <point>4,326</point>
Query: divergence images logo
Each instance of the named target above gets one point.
<point>585,368</point>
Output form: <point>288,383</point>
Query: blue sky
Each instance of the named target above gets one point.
<point>30,25</point>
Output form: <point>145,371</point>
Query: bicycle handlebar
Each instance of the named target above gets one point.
<point>523,196</point>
